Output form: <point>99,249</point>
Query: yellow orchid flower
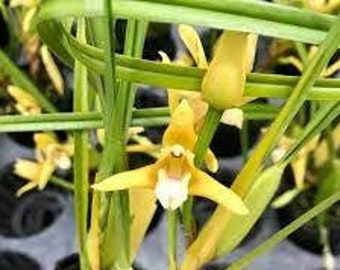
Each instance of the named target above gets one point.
<point>299,163</point>
<point>297,63</point>
<point>143,144</point>
<point>50,155</point>
<point>321,153</point>
<point>173,176</point>
<point>30,171</point>
<point>194,45</point>
<point>25,103</point>
<point>233,117</point>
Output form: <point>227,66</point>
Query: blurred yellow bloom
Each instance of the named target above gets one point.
<point>299,163</point>
<point>173,176</point>
<point>142,145</point>
<point>50,155</point>
<point>32,8</point>
<point>321,152</point>
<point>52,70</point>
<point>297,63</point>
<point>25,103</point>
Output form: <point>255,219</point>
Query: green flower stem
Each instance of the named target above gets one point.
<point>172,239</point>
<point>81,154</point>
<point>62,183</point>
<point>206,134</point>
<point>244,133</point>
<point>330,144</point>
<point>211,122</point>
<point>20,79</point>
<point>282,234</point>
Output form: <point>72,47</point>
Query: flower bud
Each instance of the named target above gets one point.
<point>223,84</point>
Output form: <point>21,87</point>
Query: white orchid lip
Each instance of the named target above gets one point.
<point>171,192</point>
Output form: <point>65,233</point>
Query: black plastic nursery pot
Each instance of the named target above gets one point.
<point>308,236</point>
<point>30,214</point>
<point>227,139</point>
<point>24,139</point>
<point>72,262</point>
<point>10,260</point>
<point>4,33</point>
<point>215,266</point>
<point>147,97</point>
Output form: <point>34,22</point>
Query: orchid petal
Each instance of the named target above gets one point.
<point>174,95</point>
<point>26,104</point>
<point>233,117</point>
<point>52,70</point>
<point>141,216</point>
<point>203,185</point>
<point>181,128</point>
<point>26,169</point>
<point>193,42</point>
<point>43,140</point>
<point>211,161</point>
<point>299,167</point>
<point>29,186</point>
<point>145,177</point>
<point>45,173</point>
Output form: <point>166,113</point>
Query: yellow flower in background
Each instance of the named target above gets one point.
<point>174,176</point>
<point>52,70</point>
<point>25,103</point>
<point>297,63</point>
<point>300,161</point>
<point>31,9</point>
<point>50,155</point>
<point>142,143</point>
<point>321,152</point>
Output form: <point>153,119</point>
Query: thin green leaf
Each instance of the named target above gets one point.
<point>81,154</point>
<point>249,16</point>
<point>282,234</point>
<point>256,200</point>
